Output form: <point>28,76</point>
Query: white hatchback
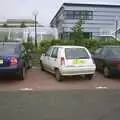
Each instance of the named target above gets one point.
<point>68,61</point>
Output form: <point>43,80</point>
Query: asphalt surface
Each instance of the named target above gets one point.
<point>60,105</point>
<point>37,80</point>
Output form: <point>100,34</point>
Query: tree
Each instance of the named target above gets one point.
<point>5,25</point>
<point>77,35</point>
<point>23,25</point>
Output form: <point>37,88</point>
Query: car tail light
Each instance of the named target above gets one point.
<point>62,61</point>
<point>13,61</point>
<point>116,64</point>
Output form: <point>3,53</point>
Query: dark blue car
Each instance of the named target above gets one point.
<point>14,59</point>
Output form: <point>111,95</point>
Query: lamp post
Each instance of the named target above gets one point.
<point>116,27</point>
<point>35,13</point>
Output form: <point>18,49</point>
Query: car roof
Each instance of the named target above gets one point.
<point>110,46</point>
<point>67,46</point>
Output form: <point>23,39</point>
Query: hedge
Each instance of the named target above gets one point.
<point>88,43</point>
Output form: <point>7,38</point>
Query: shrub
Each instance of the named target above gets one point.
<point>29,46</point>
<point>88,43</point>
<point>45,44</point>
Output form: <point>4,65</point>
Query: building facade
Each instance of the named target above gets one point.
<point>99,20</point>
<point>21,29</point>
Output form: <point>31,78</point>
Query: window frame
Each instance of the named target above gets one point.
<point>55,56</point>
<point>48,52</point>
<point>84,14</point>
<point>83,50</point>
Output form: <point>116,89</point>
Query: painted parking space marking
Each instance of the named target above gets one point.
<point>26,89</point>
<point>102,87</point>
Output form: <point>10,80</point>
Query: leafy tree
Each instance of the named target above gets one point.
<point>22,25</point>
<point>77,34</point>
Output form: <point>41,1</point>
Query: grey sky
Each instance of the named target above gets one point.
<point>47,8</point>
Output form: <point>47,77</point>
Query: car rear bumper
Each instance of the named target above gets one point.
<point>11,69</point>
<point>70,71</point>
<point>115,71</point>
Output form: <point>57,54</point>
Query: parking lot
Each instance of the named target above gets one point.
<point>37,80</point>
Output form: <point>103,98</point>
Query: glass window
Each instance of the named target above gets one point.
<point>76,53</point>
<point>54,53</point>
<point>86,15</point>
<point>102,52</point>
<point>48,53</point>
<point>8,48</point>
<point>115,50</point>
<point>97,52</point>
<point>77,15</point>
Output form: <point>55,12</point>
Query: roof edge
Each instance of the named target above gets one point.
<point>57,13</point>
<point>86,4</point>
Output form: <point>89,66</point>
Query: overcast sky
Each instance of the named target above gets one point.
<point>46,8</point>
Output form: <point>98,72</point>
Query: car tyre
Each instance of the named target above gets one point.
<point>21,73</point>
<point>106,72</point>
<point>58,75</point>
<point>89,76</point>
<point>41,66</point>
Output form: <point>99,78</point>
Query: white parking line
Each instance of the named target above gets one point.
<point>102,87</point>
<point>26,89</point>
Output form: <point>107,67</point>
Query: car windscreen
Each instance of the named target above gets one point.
<point>7,48</point>
<point>76,53</point>
<point>115,51</point>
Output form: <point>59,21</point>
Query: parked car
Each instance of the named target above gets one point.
<point>107,59</point>
<point>68,61</point>
<point>14,59</point>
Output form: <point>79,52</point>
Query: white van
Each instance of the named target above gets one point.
<point>68,61</point>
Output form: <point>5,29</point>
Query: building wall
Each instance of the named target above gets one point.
<point>43,33</point>
<point>22,33</point>
<point>102,22</point>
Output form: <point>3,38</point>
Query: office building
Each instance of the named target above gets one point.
<point>98,20</point>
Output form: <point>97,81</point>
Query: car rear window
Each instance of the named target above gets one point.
<point>76,53</point>
<point>115,50</point>
<point>7,48</point>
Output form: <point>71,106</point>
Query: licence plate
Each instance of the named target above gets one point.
<point>77,61</point>
<point>1,61</point>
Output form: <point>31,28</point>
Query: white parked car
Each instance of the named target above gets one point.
<point>68,61</point>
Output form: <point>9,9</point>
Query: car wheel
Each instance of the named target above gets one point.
<point>41,66</point>
<point>106,72</point>
<point>21,74</point>
<point>89,76</point>
<point>58,75</point>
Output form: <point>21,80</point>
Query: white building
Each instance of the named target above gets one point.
<point>11,28</point>
<point>43,33</point>
<point>99,20</point>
